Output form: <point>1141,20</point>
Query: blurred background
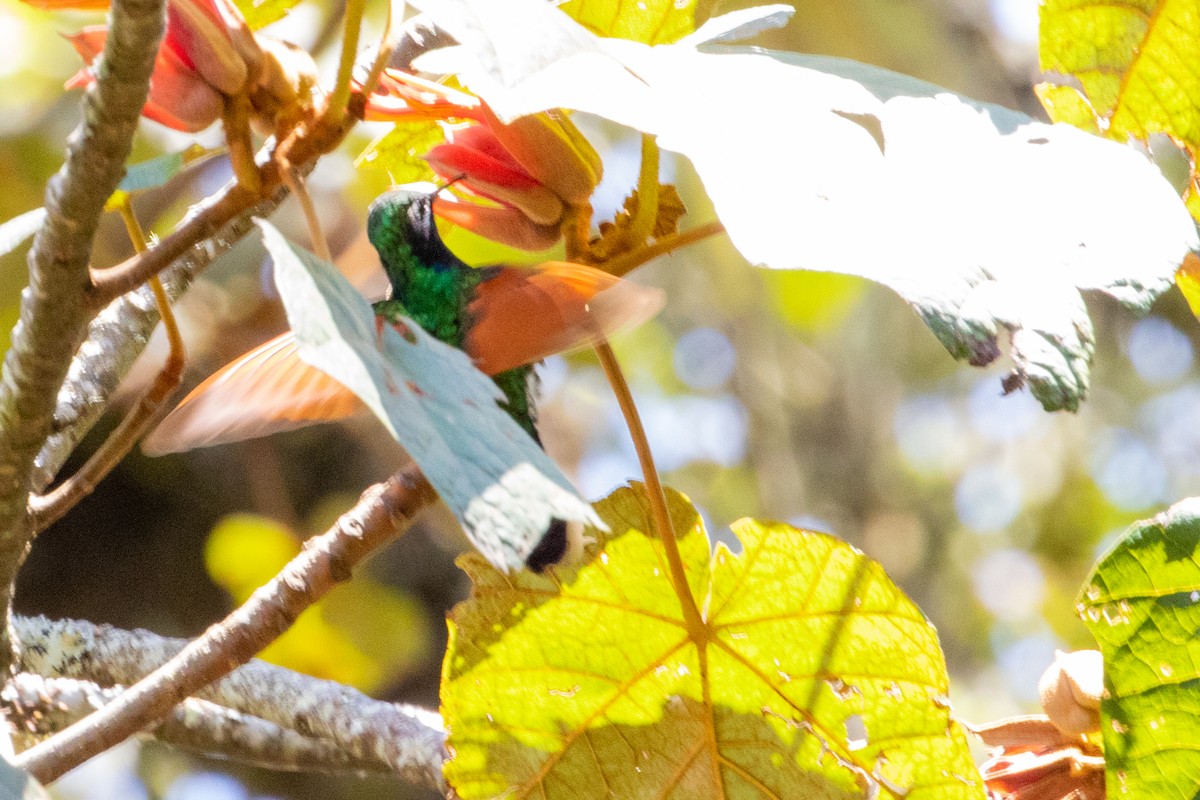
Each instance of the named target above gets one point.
<point>817,399</point>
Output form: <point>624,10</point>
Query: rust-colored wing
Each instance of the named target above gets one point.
<point>523,315</point>
<point>269,389</point>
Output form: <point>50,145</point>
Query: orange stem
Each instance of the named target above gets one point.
<point>661,518</point>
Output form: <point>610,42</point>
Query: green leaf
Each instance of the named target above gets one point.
<point>1133,63</point>
<point>502,487</point>
<point>1142,603</point>
<point>16,784</point>
<point>985,220</point>
<point>260,13</point>
<point>401,152</point>
<point>649,21</point>
<point>816,677</point>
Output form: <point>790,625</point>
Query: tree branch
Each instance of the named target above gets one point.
<point>325,561</point>
<point>117,336</point>
<point>119,333</point>
<point>54,312</point>
<point>39,707</point>
<point>407,739</point>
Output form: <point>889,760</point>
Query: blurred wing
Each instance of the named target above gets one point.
<point>265,391</point>
<point>523,315</point>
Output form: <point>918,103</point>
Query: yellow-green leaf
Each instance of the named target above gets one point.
<point>260,13</point>
<point>401,151</point>
<point>1134,64</point>
<point>1187,278</point>
<point>649,21</point>
<point>814,676</point>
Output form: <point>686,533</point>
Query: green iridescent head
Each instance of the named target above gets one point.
<point>401,226</point>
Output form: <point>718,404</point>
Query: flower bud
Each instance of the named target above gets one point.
<point>1071,690</point>
<point>551,149</point>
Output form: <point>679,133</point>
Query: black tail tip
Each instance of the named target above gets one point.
<point>551,549</point>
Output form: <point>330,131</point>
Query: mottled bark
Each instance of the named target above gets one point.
<point>54,308</point>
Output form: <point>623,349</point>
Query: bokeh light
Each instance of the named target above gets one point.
<point>1010,584</point>
<point>1128,470</point>
<point>704,358</point>
<point>1160,352</point>
<point>987,498</point>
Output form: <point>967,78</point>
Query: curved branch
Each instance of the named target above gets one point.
<point>54,311</point>
<point>325,561</point>
<point>39,707</point>
<point>407,739</point>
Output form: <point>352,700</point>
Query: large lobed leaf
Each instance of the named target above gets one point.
<point>1142,603</point>
<point>817,677</point>
<point>1126,70</point>
<point>502,487</point>
<point>984,219</point>
<point>649,21</point>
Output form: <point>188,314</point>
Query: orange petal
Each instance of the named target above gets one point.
<point>498,223</point>
<point>179,98</point>
<point>550,147</point>
<point>88,42</point>
<point>57,5</point>
<point>521,316</point>
<point>401,96</point>
<point>267,390</point>
<point>212,37</point>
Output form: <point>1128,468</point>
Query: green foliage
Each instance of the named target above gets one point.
<point>401,151</point>
<point>260,13</point>
<point>1131,61</point>
<point>156,172</point>
<point>1142,603</point>
<point>652,21</point>
<point>815,676</point>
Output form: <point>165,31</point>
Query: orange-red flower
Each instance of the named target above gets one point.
<point>208,57</point>
<point>533,169</point>
<point>1056,755</point>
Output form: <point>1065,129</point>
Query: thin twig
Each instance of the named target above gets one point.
<point>38,707</point>
<point>119,333</point>
<point>352,26</point>
<point>410,740</point>
<point>641,227</point>
<point>325,561</point>
<point>232,200</point>
<point>54,312</point>
<point>295,184</point>
<point>393,32</point>
<point>49,508</point>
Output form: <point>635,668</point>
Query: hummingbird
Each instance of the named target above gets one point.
<point>505,318</point>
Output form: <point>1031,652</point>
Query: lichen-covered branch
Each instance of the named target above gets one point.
<point>119,333</point>
<point>117,336</point>
<point>39,707</point>
<point>406,738</point>
<point>54,309</point>
<point>325,561</point>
